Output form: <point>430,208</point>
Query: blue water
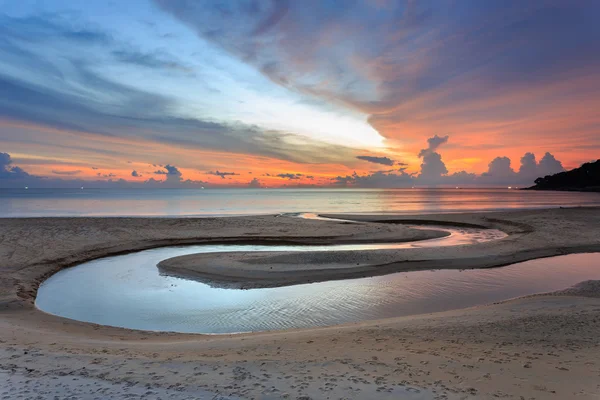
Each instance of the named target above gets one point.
<point>214,202</point>
<point>129,291</point>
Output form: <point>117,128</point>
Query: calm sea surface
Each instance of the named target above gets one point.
<point>191,202</point>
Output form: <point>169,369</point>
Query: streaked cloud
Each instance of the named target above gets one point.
<point>67,172</point>
<point>377,160</point>
<point>223,175</point>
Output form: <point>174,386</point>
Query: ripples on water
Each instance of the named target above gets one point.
<point>128,291</point>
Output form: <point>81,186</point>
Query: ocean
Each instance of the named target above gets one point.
<point>222,202</point>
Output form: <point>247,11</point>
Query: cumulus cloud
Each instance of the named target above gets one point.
<point>171,172</point>
<point>223,175</point>
<point>531,169</point>
<point>377,160</point>
<point>433,143</point>
<point>500,168</point>
<point>529,166</point>
<point>9,172</point>
<point>254,183</point>
<point>434,172</point>
<point>135,174</point>
<point>549,165</point>
<point>379,179</point>
<point>432,167</point>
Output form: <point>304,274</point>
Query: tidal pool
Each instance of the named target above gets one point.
<point>128,291</point>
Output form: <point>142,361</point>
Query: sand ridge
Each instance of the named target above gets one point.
<point>532,234</point>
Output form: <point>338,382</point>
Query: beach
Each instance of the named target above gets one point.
<point>537,347</point>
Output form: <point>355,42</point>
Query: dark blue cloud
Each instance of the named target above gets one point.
<point>289,176</point>
<point>377,160</point>
<point>8,172</point>
<point>223,175</point>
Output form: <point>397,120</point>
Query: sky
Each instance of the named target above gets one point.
<point>282,93</point>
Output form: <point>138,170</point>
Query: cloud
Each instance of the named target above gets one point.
<point>221,174</point>
<point>432,167</point>
<point>135,174</point>
<point>529,166</point>
<point>549,165</point>
<point>500,168</point>
<point>9,172</point>
<point>73,172</point>
<point>377,179</point>
<point>172,173</point>
<point>154,61</point>
<point>434,172</point>
<point>289,176</point>
<point>377,160</point>
<point>433,143</point>
<point>254,183</point>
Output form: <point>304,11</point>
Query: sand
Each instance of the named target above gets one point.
<point>532,234</point>
<point>540,347</point>
<point>32,249</point>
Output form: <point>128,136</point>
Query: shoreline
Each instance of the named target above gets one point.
<point>542,346</point>
<point>67,242</point>
<point>33,249</point>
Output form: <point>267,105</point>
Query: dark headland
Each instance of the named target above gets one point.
<point>585,178</point>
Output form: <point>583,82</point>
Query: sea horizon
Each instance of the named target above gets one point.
<point>214,202</point>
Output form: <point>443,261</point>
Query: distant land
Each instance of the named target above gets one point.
<point>585,178</point>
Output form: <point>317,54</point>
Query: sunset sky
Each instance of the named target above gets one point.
<point>372,93</point>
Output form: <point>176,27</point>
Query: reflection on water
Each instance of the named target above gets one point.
<point>127,291</point>
<point>113,202</point>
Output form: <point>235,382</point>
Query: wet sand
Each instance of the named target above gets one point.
<point>538,347</point>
